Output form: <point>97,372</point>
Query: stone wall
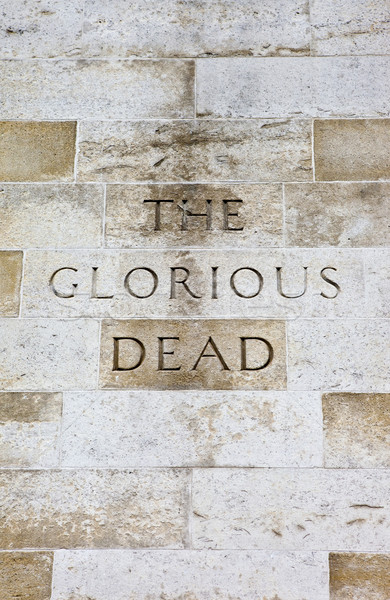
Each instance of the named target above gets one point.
<point>194,300</point>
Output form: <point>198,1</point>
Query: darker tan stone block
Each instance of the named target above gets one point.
<point>37,151</point>
<point>357,430</point>
<point>30,407</point>
<point>359,576</point>
<point>352,149</point>
<point>26,575</point>
<point>193,354</point>
<point>338,214</point>
<point>11,264</point>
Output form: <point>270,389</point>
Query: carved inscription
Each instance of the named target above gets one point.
<point>143,282</point>
<point>209,215</point>
<point>191,354</point>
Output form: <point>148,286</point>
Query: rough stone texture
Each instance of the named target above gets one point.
<point>349,355</point>
<point>195,150</point>
<point>26,575</point>
<point>291,509</point>
<point>346,149</point>
<point>42,215</point>
<point>293,87</point>
<point>338,214</point>
<point>357,430</point>
<point>137,429</point>
<point>82,89</point>
<point>132,223</point>
<point>189,574</point>
<point>33,29</point>
<point>49,354</point>
<point>321,283</point>
<point>33,151</point>
<point>350,27</point>
<point>29,429</point>
<point>181,362</point>
<point>93,509</point>
<point>359,576</point>
<point>197,28</point>
<point>10,281</point>
<point>377,266</point>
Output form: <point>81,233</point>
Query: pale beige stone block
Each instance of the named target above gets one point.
<point>157,216</point>
<point>193,354</point>
<point>196,150</point>
<point>291,509</point>
<point>197,28</point>
<point>26,575</point>
<point>42,215</point>
<point>356,28</point>
<point>144,429</point>
<point>349,355</point>
<point>352,149</point>
<point>357,430</point>
<point>29,429</point>
<point>48,355</point>
<point>337,214</point>
<point>94,509</point>
<point>11,264</point>
<point>359,576</point>
<point>237,283</point>
<point>36,151</point>
<point>105,89</point>
<point>152,575</point>
<point>293,87</point>
<point>33,29</point>
<point>377,267</point>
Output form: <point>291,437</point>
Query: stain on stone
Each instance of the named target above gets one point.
<point>121,152</point>
<point>26,575</point>
<point>37,151</point>
<point>359,576</point>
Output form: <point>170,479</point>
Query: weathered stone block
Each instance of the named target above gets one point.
<point>337,214</point>
<point>197,28</point>
<point>94,509</point>
<point>347,149</point>
<point>26,575</point>
<point>297,509</point>
<point>32,30</point>
<point>82,89</point>
<point>11,264</point>
<point>29,429</point>
<point>293,87</point>
<point>159,216</point>
<point>200,575</point>
<point>357,430</point>
<point>196,150</point>
<point>349,354</point>
<point>48,355</point>
<point>36,151</point>
<point>359,576</point>
<point>42,215</point>
<point>193,354</point>
<point>358,27</point>
<point>142,429</point>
